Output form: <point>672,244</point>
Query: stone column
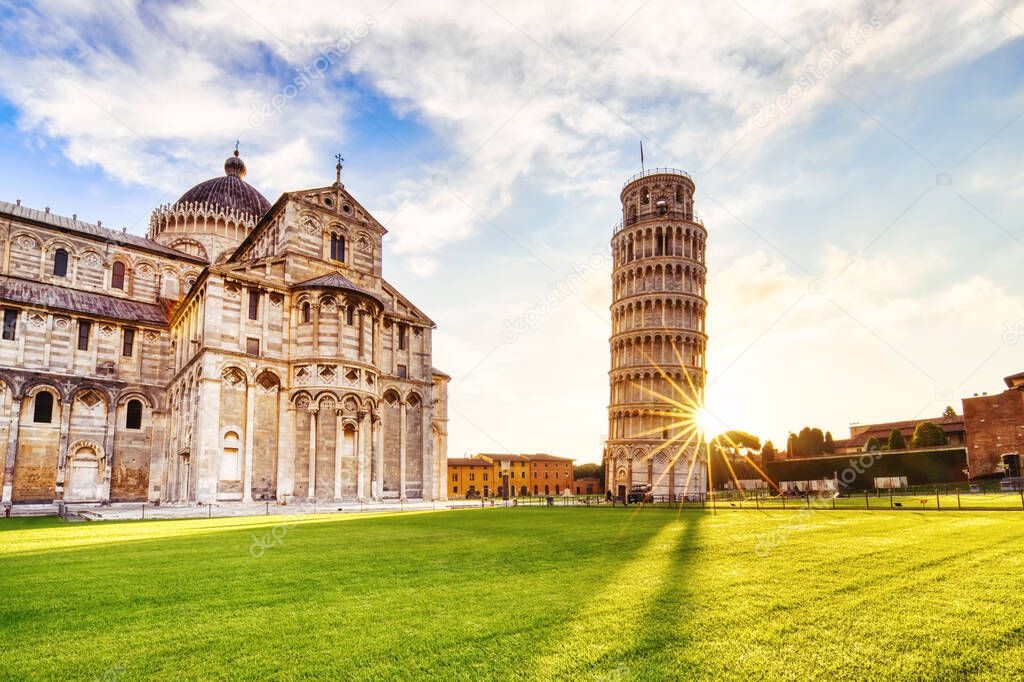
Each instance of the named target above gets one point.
<point>285,447</point>
<point>250,441</point>
<point>402,437</point>
<point>311,488</point>
<point>378,455</point>
<point>339,446</point>
<point>12,450</point>
<point>672,479</point>
<point>427,438</point>
<point>361,429</point>
<point>204,472</point>
<point>108,450</point>
<point>62,449</point>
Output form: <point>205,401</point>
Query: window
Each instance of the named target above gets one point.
<point>84,329</point>
<point>455,488</point>
<point>128,345</point>
<point>403,372</point>
<point>117,275</point>
<point>252,346</point>
<point>133,415</point>
<point>403,332</point>
<point>485,475</point>
<point>60,263</point>
<point>455,477</point>
<point>10,324</point>
<point>42,412</point>
<point>337,248</point>
<point>306,314</point>
<point>254,304</point>
<point>349,313</point>
<point>472,476</point>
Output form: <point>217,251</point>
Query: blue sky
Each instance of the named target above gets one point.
<point>848,282</point>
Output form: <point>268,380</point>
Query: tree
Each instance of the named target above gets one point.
<point>810,442</point>
<point>949,412</point>
<point>872,445</point>
<point>588,471</point>
<point>928,435</point>
<point>896,440</point>
<point>830,444</point>
<point>768,452</point>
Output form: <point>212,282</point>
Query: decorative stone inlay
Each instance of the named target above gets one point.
<point>152,335</point>
<point>302,375</point>
<point>36,320</point>
<point>61,322</point>
<point>233,376</point>
<point>232,291</point>
<point>26,242</point>
<point>89,399</point>
<point>276,299</point>
<point>107,330</point>
<point>328,373</point>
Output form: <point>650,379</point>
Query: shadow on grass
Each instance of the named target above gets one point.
<point>631,614</point>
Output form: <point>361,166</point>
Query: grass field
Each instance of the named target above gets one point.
<point>527,593</point>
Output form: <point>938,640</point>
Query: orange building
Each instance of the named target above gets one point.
<point>470,477</point>
<point>538,474</point>
<point>516,466</point>
<point>549,475</point>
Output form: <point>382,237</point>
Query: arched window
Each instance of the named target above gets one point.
<point>337,248</point>
<point>60,263</point>
<point>42,412</point>
<point>117,275</point>
<point>306,312</point>
<point>133,416</point>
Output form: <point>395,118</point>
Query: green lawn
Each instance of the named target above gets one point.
<point>526,593</point>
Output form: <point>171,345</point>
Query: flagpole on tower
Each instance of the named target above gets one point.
<point>641,155</point>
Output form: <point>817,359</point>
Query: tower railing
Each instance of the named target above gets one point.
<point>658,215</point>
<point>657,171</point>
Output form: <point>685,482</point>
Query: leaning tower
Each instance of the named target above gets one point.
<point>658,342</point>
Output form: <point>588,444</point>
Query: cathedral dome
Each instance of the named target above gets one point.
<point>229,192</point>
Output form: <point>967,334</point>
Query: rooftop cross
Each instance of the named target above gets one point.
<point>338,168</point>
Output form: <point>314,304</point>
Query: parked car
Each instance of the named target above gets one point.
<point>640,493</point>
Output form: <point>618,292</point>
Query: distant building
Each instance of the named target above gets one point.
<point>528,474</point>
<point>587,486</point>
<point>860,434</point>
<point>995,430</point>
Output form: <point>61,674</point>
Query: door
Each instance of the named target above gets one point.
<point>1011,465</point>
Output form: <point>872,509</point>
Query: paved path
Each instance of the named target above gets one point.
<point>121,511</point>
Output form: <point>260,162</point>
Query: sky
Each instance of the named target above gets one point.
<point>858,167</point>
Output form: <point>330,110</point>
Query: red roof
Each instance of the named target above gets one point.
<point>466,462</point>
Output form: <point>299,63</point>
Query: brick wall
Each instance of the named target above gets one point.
<point>995,427</point>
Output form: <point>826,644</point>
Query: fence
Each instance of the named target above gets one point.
<point>934,499</point>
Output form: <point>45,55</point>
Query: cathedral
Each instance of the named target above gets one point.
<point>241,351</point>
